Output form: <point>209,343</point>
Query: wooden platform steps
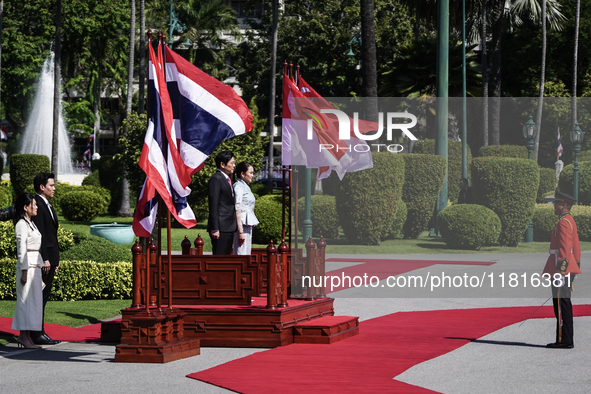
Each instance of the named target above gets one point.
<point>326,330</point>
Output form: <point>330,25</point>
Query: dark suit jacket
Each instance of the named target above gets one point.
<point>48,229</point>
<point>222,211</point>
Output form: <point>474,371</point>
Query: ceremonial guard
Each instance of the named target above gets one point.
<point>565,260</point>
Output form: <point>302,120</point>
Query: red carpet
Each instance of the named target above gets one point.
<point>368,362</point>
<point>382,268</point>
<point>90,333</point>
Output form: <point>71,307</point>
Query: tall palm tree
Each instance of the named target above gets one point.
<point>142,70</point>
<point>484,63</point>
<point>57,86</point>
<point>546,11</point>
<point>124,209</point>
<point>369,69</point>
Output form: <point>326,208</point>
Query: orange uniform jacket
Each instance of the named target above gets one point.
<point>565,239</point>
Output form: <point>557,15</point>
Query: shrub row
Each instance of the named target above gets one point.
<point>77,280</point>
<point>454,163</point>
<point>83,205</point>
<point>65,239</point>
<point>90,247</point>
<point>509,187</point>
<point>547,184</point>
<point>5,196</point>
<point>62,189</point>
<point>544,220</point>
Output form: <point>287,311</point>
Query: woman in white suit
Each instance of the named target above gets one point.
<point>245,217</point>
<point>28,314</point>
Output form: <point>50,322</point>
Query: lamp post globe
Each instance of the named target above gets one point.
<point>530,131</point>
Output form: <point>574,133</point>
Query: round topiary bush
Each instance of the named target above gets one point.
<point>97,249</point>
<point>367,200</point>
<point>423,177</point>
<point>454,163</point>
<point>544,220</point>
<point>547,184</point>
<point>82,205</point>
<point>516,151</point>
<point>92,179</point>
<point>325,220</point>
<point>565,184</point>
<point>509,187</point>
<point>468,226</point>
<point>268,211</point>
<point>23,168</point>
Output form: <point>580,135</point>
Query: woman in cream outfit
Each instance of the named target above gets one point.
<point>28,314</point>
<point>244,209</point>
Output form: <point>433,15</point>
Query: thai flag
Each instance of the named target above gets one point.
<point>144,217</point>
<point>206,112</point>
<point>559,150</point>
<point>86,156</point>
<point>159,156</point>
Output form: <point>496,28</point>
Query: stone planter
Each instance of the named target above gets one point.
<point>117,233</point>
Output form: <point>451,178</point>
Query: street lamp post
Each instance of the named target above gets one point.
<point>530,130</point>
<point>175,25</point>
<point>576,137</point>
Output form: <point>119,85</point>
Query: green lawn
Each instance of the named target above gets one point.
<point>71,313</point>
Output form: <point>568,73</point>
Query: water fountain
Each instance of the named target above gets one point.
<point>38,135</point>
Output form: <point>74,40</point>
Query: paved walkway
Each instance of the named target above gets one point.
<point>511,360</point>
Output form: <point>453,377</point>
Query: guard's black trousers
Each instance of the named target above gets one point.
<point>561,300</point>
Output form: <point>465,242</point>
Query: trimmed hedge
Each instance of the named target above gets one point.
<point>5,196</point>
<point>82,205</point>
<point>367,200</point>
<point>469,226</point>
<point>24,168</point>
<point>585,155</point>
<point>65,239</point>
<point>454,163</point>
<point>515,151</point>
<point>423,177</point>
<point>260,189</point>
<point>77,280</point>
<point>61,189</point>
<point>92,179</point>
<point>509,187</point>
<point>395,229</point>
<point>547,184</point>
<point>565,184</point>
<point>268,211</point>
<point>325,220</point>
<point>545,219</point>
<point>97,249</point>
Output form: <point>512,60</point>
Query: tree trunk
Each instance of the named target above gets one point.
<point>369,59</point>
<point>124,209</point>
<point>575,78</point>
<point>495,82</point>
<point>272,92</point>
<point>142,70</point>
<point>542,81</point>
<point>484,62</point>
<point>56,88</point>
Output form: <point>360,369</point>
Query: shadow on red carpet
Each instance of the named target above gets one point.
<point>90,333</point>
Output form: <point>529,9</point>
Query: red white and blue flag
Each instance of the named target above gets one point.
<point>190,114</point>
<point>206,112</point>
<point>560,149</point>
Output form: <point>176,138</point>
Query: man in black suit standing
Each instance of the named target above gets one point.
<point>221,224</point>
<point>46,222</point>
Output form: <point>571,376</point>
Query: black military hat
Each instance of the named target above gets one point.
<point>560,196</point>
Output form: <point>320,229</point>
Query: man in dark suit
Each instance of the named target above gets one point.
<point>46,222</point>
<point>221,224</point>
